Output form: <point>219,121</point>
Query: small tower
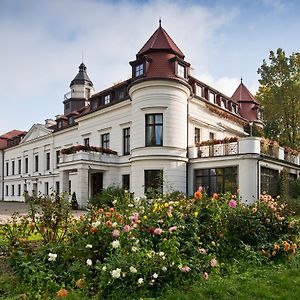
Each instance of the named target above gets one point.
<point>81,90</point>
<point>249,108</point>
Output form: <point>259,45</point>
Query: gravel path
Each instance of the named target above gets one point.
<point>8,208</point>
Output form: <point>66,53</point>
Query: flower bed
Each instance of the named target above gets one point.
<point>139,247</point>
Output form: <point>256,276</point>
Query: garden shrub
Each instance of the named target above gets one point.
<point>133,248</point>
<point>109,197</point>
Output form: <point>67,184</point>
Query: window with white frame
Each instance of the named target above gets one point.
<point>199,90</point>
<point>106,99</point>
<point>139,70</point>
<point>181,70</point>
<point>211,97</point>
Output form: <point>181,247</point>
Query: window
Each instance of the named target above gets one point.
<point>234,108</point>
<point>106,99</point>
<point>223,103</point>
<point>6,190</point>
<point>197,135</point>
<point>57,157</point>
<point>126,182</point>
<point>46,188</point>
<point>48,161</point>
<point>59,124</point>
<point>154,130</point>
<point>211,97</point>
<point>57,187</point>
<point>70,186</point>
<point>13,167</point>
<point>181,70</point>
<point>12,190</point>
<point>139,70</point>
<point>120,94</point>
<point>26,164</point>
<point>36,163</point>
<point>19,166</point>
<point>126,141</point>
<point>25,188</point>
<point>86,142</point>
<point>269,181</point>
<point>94,104</point>
<point>87,93</point>
<point>199,90</point>
<point>105,141</point>
<point>153,182</point>
<point>6,168</point>
<point>218,180</point>
<point>211,148</point>
<point>19,189</point>
<point>70,120</point>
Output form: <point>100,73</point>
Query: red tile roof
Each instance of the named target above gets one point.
<point>160,40</point>
<point>242,94</point>
<point>9,135</point>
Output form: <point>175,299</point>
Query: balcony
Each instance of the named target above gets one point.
<point>80,153</point>
<point>247,145</point>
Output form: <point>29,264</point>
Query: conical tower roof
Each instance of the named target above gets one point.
<point>160,41</point>
<point>242,94</point>
<point>82,77</point>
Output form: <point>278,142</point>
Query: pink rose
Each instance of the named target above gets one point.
<point>185,269</point>
<point>116,233</point>
<point>205,276</point>
<point>213,262</point>
<point>232,203</point>
<point>158,231</point>
<point>126,228</point>
<point>173,228</point>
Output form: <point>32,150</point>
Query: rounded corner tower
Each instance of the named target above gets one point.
<point>159,92</point>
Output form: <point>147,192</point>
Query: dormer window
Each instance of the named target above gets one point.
<point>180,70</point>
<point>139,70</point>
<point>199,90</point>
<point>211,97</point>
<point>106,99</point>
<point>259,115</point>
<point>70,120</point>
<point>223,103</point>
<point>94,104</point>
<point>234,109</point>
<point>59,124</point>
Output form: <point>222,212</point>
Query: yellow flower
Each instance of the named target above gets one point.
<point>274,253</point>
<point>196,214</point>
<point>294,246</point>
<point>166,204</point>
<point>276,247</point>
<point>145,217</point>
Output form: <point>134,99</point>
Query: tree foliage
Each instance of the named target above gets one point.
<point>279,94</point>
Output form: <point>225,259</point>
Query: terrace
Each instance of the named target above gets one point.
<point>247,145</point>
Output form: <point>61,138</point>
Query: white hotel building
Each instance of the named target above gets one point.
<point>158,129</point>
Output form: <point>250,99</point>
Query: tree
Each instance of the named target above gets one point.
<point>279,94</point>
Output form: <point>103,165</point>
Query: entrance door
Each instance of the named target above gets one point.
<point>97,183</point>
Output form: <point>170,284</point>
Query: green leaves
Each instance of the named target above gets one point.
<point>279,94</point>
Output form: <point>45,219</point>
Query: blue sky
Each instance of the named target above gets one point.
<point>42,42</point>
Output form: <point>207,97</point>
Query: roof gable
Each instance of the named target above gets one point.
<point>160,40</point>
<point>36,131</point>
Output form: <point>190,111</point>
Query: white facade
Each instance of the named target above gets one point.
<point>33,164</point>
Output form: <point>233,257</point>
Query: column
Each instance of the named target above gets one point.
<point>82,186</point>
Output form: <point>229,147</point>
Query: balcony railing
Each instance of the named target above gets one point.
<point>247,145</point>
<point>82,156</point>
<point>218,150</point>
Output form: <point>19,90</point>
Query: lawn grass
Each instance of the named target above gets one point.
<point>277,281</point>
<point>264,282</point>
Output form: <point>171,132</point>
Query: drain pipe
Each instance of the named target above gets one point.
<point>187,149</point>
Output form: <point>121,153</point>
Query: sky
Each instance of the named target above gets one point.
<point>42,44</point>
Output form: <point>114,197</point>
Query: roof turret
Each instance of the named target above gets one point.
<point>160,41</point>
<point>82,77</point>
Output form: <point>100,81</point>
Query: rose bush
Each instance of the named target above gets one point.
<point>139,247</point>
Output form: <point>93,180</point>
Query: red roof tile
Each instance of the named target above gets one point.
<point>11,134</point>
<point>160,40</point>
<point>242,94</point>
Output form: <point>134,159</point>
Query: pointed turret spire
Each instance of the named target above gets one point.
<point>242,94</point>
<point>160,41</point>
